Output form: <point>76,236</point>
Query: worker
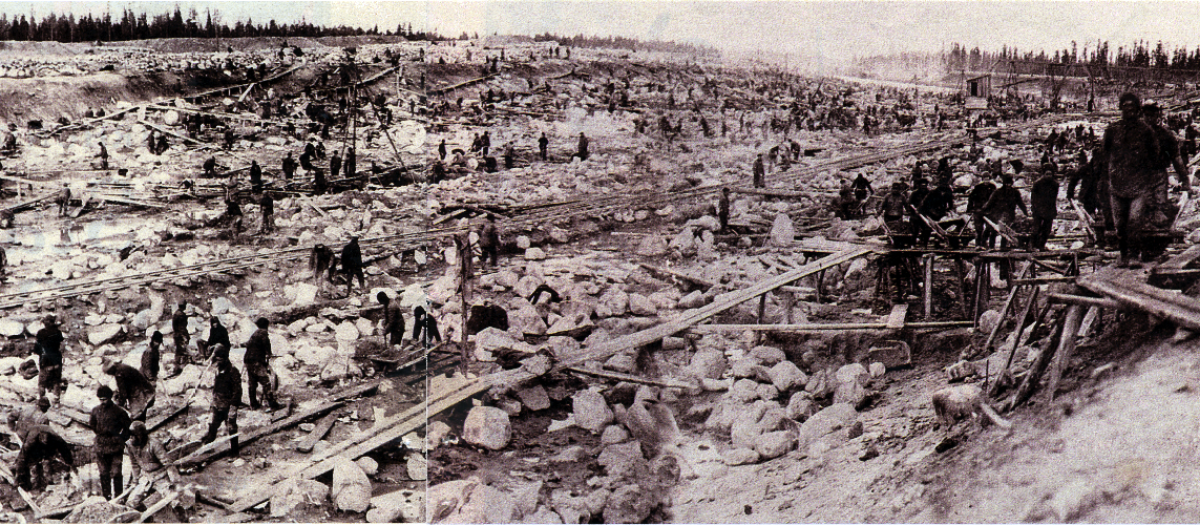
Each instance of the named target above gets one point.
<point>335,165</point>
<point>258,367</point>
<point>103,157</point>
<point>1043,205</point>
<point>321,261</point>
<point>935,206</point>
<point>152,355</point>
<point>892,207</point>
<point>544,147</point>
<point>509,156</point>
<point>210,167</point>
<point>256,180</point>
<point>24,421</point>
<point>161,146</point>
<point>134,392</point>
<point>111,425</point>
<point>489,242</point>
<point>442,150</point>
<point>267,205</point>
<point>352,264</point>
<point>862,188</point>
<point>424,327</point>
<point>289,166</point>
<point>1131,153</point>
<point>48,347</point>
<point>1170,157</point>
<point>41,444</point>
<point>1001,209</point>
<point>229,138</point>
<point>393,320</point>
<point>179,327</point>
<point>759,172</point>
<point>582,152</point>
<point>976,199</point>
<point>150,467</point>
<point>351,163</point>
<point>226,398</point>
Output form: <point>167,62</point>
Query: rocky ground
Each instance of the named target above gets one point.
<point>700,427</point>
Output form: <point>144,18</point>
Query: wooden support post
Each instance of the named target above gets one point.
<point>789,306</point>
<point>1066,347</point>
<point>987,345</point>
<point>961,270</point>
<point>1036,370</point>
<point>1020,327</point>
<point>928,292</point>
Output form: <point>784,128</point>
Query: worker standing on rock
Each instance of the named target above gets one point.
<point>723,209</point>
<point>150,466</point>
<point>544,147</point>
<point>352,264</point>
<point>179,327</point>
<point>111,425</point>
<point>1169,157</point>
<point>258,366</point>
<point>217,335</point>
<point>152,355</point>
<point>582,152</point>
<point>489,242</point>
<point>210,167</point>
<point>134,392</point>
<point>226,398</point>
<point>64,199</point>
<point>351,163</point>
<point>321,260</point>
<point>1131,153</point>
<point>103,157</point>
<point>335,165</point>
<point>393,320</point>
<point>424,327</point>
<point>49,350</point>
<point>978,197</point>
<point>268,213</point>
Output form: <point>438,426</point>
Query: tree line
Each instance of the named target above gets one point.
<point>1100,53</point>
<point>129,25</point>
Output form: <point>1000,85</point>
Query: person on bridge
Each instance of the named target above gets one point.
<point>976,199</point>
<point>111,425</point>
<point>352,264</point>
<point>1131,153</point>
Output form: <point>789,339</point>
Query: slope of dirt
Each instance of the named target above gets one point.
<point>48,99</point>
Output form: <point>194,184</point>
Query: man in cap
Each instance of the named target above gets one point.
<point>226,398</point>
<point>49,350</point>
<point>150,466</point>
<point>134,392</point>
<point>976,199</point>
<point>258,365</point>
<point>111,425</point>
<point>1169,157</point>
<point>489,242</point>
<point>152,355</point>
<point>424,327</point>
<point>217,335</point>
<point>1131,153</point>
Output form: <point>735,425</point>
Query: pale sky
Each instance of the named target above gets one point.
<point>829,29</point>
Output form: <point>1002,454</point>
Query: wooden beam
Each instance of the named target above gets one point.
<point>928,291</point>
<point>1124,287</point>
<point>1066,347</point>
<point>1043,280</point>
<point>665,382</point>
<point>317,434</point>
<point>895,320</point>
<point>1097,302</point>
<point>689,278</point>
<point>162,504</point>
<point>819,327</point>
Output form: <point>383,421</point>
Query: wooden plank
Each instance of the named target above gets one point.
<point>895,320</point>
<point>158,422</point>
<point>689,278</point>
<point>818,327</point>
<point>317,434</point>
<point>1122,286</point>
<point>1094,302</point>
<point>928,291</point>
<point>665,382</point>
<point>162,504</point>
<point>1066,347</point>
<point>217,448</point>
<point>1180,261</point>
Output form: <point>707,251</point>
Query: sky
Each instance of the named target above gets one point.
<point>833,30</point>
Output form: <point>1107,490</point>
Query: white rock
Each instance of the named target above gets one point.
<point>535,254</point>
<point>306,294</point>
<point>591,411</point>
<point>783,233</point>
<point>103,333</point>
<point>351,490</point>
<point>11,328</point>
<point>487,427</point>
<point>369,466</point>
<point>417,467</point>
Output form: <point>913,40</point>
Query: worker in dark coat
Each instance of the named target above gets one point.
<point>759,172</point>
<point>393,319</point>
<point>976,199</point>
<point>892,207</point>
<point>352,264</point>
<point>351,164</point>
<point>489,242</point>
<point>267,204</point>
<point>1001,209</point>
<point>1043,205</point>
<point>134,392</point>
<point>936,205</point>
<point>543,147</point>
<point>862,188</point>
<point>582,152</point>
<point>321,261</point>
<point>289,166</point>
<point>49,350</point>
<point>179,327</point>
<point>1131,154</point>
<point>111,425</point>
<point>39,444</point>
<point>335,165</point>
<point>723,209</point>
<point>226,398</point>
<point>152,355</point>
<point>256,180</point>
<point>258,365</point>
<point>217,335</point>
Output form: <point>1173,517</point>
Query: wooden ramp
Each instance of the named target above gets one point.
<point>444,393</point>
<point>1127,287</point>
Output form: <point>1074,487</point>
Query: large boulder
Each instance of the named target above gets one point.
<point>708,363</point>
<point>652,246</point>
<point>630,504</point>
<point>783,232</point>
<point>401,506</point>
<point>828,420</point>
<point>486,504</point>
<point>11,328</point>
<point>524,319</point>
<point>591,411</point>
<point>103,333</point>
<point>487,427</point>
<point>621,459</point>
<point>614,302</point>
<point>785,375</point>
<point>351,489</point>
<point>490,341</point>
<point>642,305</point>
<point>774,444</point>
<point>293,492</point>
